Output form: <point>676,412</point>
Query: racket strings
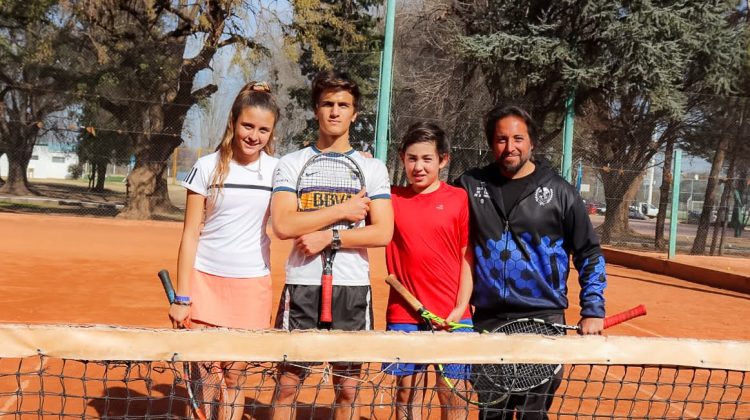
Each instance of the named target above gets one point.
<point>516,377</point>
<point>530,326</point>
<point>327,180</point>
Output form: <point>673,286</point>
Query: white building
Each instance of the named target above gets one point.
<point>48,161</point>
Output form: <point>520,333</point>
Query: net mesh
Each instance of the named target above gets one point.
<point>35,384</point>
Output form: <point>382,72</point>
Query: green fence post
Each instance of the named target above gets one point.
<point>567,157</point>
<point>384,93</point>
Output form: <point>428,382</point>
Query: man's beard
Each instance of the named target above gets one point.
<point>513,168</point>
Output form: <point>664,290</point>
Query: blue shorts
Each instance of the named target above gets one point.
<point>453,371</point>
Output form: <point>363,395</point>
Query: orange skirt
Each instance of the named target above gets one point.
<point>231,302</point>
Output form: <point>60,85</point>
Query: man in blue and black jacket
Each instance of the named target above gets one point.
<point>526,221</point>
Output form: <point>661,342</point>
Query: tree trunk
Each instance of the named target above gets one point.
<point>721,216</point>
<point>147,187</point>
<point>616,189</point>
<point>665,197</point>
<point>699,244</point>
<point>92,174</point>
<point>101,176</point>
<point>17,182</point>
<point>740,206</point>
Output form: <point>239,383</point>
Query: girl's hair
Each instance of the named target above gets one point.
<point>424,132</point>
<point>253,94</point>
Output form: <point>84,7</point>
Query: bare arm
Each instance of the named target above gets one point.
<point>186,257</point>
<point>288,223</point>
<point>465,286</point>
<point>377,233</point>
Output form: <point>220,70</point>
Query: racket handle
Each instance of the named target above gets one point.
<point>326,297</point>
<point>615,319</point>
<point>401,290</point>
<point>166,282</point>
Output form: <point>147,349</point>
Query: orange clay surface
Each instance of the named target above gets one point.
<point>76,270</point>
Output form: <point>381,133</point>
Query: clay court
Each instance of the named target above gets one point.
<point>77,270</point>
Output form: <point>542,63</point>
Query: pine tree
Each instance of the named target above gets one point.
<point>637,69</point>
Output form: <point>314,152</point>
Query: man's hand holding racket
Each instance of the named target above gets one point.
<point>591,326</point>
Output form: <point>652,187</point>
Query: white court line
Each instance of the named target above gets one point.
<point>14,398</point>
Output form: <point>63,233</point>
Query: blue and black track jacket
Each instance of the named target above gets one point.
<point>522,258</point>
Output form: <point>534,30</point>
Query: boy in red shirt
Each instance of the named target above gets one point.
<point>428,254</point>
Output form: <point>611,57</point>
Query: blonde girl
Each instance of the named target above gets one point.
<point>223,276</point>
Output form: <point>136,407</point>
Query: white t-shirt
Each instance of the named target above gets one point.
<point>233,241</point>
<point>351,266</point>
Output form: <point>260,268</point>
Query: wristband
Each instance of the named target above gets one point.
<point>182,303</point>
<point>181,299</point>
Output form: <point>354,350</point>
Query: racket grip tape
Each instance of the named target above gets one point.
<point>326,296</point>
<point>166,282</point>
<point>613,320</point>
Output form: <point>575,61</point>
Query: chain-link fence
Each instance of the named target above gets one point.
<point>81,161</point>
<point>622,167</point>
<point>623,170</point>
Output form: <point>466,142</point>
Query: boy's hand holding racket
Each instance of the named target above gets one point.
<point>453,318</point>
<point>355,209</point>
<point>313,243</point>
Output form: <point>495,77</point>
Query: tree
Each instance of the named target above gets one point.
<point>100,145</point>
<point>328,34</point>
<point>632,66</point>
<point>146,81</point>
<point>147,69</point>
<point>35,51</point>
<point>434,83</point>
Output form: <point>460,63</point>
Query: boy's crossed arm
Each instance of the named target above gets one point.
<point>376,233</point>
<point>304,227</point>
<point>288,223</point>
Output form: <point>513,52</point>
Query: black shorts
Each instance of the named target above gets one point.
<point>299,308</point>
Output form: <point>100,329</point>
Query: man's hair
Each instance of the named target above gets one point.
<point>501,111</point>
<point>424,132</point>
<point>332,79</point>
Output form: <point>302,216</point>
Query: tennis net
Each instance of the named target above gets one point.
<point>97,371</point>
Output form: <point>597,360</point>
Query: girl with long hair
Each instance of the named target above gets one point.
<point>223,274</point>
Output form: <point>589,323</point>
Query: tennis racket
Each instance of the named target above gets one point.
<point>204,380</point>
<point>328,179</point>
<point>492,383</point>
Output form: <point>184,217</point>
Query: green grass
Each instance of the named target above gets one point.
<point>28,206</point>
